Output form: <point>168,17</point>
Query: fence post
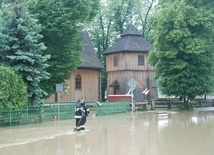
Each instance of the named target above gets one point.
<point>10,118</point>
<point>41,114</point>
<point>153,105</point>
<point>27,116</point>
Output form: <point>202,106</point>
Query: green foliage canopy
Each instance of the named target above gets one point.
<point>20,49</point>
<point>183,55</point>
<point>61,23</point>
<point>13,90</point>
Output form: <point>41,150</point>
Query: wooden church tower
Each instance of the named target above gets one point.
<point>127,60</point>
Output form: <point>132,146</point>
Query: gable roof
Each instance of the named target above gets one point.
<point>90,59</point>
<point>131,41</point>
<point>115,83</point>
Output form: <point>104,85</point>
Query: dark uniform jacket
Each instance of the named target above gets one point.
<point>85,107</point>
<point>78,110</point>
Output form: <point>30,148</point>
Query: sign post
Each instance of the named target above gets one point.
<point>132,84</point>
<point>59,89</point>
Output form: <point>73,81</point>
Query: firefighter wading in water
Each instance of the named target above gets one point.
<point>81,112</point>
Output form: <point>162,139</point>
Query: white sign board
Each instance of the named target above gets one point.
<point>59,87</point>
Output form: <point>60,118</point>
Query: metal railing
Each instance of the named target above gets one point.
<point>61,111</point>
<point>31,115</point>
<point>111,108</point>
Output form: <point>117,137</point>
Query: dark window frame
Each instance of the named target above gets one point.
<point>115,60</point>
<point>78,82</point>
<point>141,60</point>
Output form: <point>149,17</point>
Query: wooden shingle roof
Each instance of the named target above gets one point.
<point>90,59</point>
<point>131,41</point>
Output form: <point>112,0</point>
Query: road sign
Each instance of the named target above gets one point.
<point>59,87</point>
<point>132,83</point>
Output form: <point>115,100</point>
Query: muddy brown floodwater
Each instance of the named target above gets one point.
<point>141,133</point>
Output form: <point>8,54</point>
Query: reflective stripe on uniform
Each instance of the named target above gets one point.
<point>78,127</point>
<point>77,109</point>
<point>77,116</point>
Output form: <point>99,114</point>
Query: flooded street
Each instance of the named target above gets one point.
<point>141,133</point>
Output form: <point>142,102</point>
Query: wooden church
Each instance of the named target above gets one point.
<point>127,61</point>
<point>86,80</point>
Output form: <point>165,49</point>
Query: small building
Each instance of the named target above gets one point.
<point>126,61</point>
<point>86,80</point>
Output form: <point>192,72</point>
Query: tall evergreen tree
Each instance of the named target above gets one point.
<point>183,55</point>
<point>20,49</point>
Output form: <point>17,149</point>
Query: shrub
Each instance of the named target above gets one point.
<point>186,106</point>
<point>13,94</point>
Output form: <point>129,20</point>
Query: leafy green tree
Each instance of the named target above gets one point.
<point>13,95</point>
<point>102,36</point>
<point>143,9</point>
<point>183,56</point>
<point>13,90</point>
<point>62,20</point>
<point>20,49</point>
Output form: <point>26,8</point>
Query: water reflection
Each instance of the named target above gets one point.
<point>143,133</point>
<point>163,120</point>
<point>194,119</point>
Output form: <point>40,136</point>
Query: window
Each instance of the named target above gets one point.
<point>140,60</point>
<point>78,82</point>
<point>115,60</point>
